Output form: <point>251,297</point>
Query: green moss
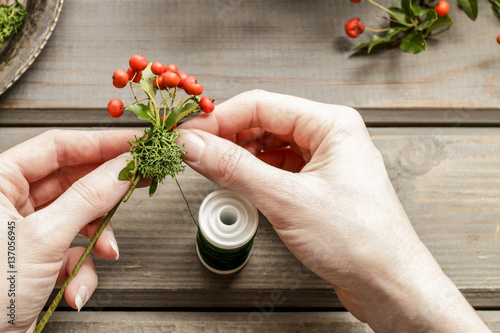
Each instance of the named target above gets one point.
<point>11,20</point>
<point>156,154</point>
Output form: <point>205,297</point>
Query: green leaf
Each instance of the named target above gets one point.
<point>496,6</point>
<point>151,112</point>
<point>127,173</point>
<point>179,113</point>
<point>469,7</point>
<point>427,17</point>
<point>407,7</point>
<point>413,43</point>
<point>146,84</point>
<point>446,21</point>
<point>399,15</point>
<point>153,187</point>
<point>378,40</point>
<point>417,10</point>
<point>140,110</point>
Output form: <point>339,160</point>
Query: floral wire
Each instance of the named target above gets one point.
<point>187,203</point>
<point>82,259</point>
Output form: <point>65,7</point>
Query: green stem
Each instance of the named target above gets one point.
<point>133,92</point>
<point>390,13</point>
<point>172,99</point>
<point>82,259</point>
<point>377,30</point>
<point>164,108</point>
<point>181,103</point>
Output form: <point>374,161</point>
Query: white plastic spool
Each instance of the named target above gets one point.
<point>228,220</point>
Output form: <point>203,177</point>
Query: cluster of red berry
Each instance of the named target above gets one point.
<point>165,78</point>
<point>354,27</point>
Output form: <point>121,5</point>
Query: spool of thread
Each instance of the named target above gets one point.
<point>227,225</point>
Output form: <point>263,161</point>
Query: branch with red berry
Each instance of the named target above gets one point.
<point>411,22</point>
<point>155,155</point>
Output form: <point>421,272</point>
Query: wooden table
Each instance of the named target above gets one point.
<point>434,117</point>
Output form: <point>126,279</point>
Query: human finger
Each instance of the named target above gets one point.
<point>285,159</point>
<point>307,122</point>
<point>83,284</point>
<point>230,165</point>
<point>106,246</point>
<point>86,200</point>
<point>57,149</point>
<point>56,183</point>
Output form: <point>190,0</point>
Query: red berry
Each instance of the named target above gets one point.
<point>138,62</point>
<point>354,27</point>
<point>207,105</point>
<point>193,87</point>
<point>170,79</point>
<point>189,80</point>
<point>120,78</point>
<point>132,75</point>
<point>115,108</point>
<point>172,68</point>
<point>157,68</point>
<point>182,77</point>
<point>355,0</point>
<point>442,8</point>
<point>498,39</point>
<point>158,82</point>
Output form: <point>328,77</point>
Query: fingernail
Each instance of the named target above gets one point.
<point>82,297</point>
<point>193,145</point>
<point>116,165</point>
<point>113,244</point>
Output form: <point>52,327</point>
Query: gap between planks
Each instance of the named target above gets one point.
<point>373,118</point>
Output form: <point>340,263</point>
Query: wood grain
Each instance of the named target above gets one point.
<point>294,47</point>
<point>173,322</point>
<point>448,180</point>
<point>300,322</point>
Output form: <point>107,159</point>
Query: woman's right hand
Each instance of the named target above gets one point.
<point>313,171</point>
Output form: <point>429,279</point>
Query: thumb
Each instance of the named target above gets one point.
<point>86,200</point>
<point>231,166</point>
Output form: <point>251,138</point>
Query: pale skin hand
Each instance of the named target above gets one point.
<point>343,219</point>
<point>57,185</point>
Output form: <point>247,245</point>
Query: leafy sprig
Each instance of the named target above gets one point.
<point>411,22</point>
<point>156,155</point>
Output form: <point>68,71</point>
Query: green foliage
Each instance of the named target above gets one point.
<point>180,112</point>
<point>11,20</point>
<point>156,155</point>
<point>496,6</point>
<point>141,111</point>
<point>128,172</point>
<point>469,7</point>
<point>413,43</point>
<point>411,22</point>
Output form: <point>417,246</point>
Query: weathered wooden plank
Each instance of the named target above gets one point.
<point>295,47</point>
<point>109,322</point>
<point>373,117</point>
<point>448,180</point>
<point>310,322</point>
